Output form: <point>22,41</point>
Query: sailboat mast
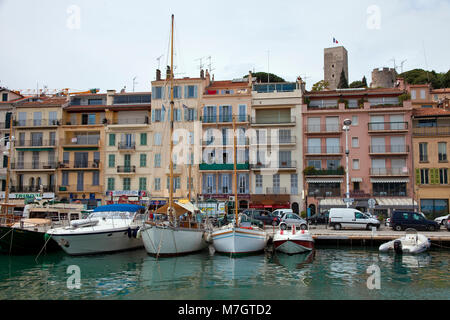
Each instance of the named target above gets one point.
<point>171,126</point>
<point>235,172</point>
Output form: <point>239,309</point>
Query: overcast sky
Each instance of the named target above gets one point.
<point>82,44</point>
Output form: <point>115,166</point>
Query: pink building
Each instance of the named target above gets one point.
<point>379,141</point>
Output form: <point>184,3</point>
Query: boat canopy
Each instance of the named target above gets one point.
<point>180,208</point>
<point>119,208</point>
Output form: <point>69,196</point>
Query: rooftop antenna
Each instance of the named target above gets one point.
<point>201,62</point>
<point>426,62</point>
<point>268,64</point>
<point>401,64</point>
<point>134,82</point>
<point>395,66</point>
<point>210,65</point>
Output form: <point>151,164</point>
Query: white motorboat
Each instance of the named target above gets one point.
<point>239,239</point>
<point>412,242</point>
<point>167,238</point>
<point>109,228</point>
<point>293,241</point>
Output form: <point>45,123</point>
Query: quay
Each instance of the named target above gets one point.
<point>326,236</point>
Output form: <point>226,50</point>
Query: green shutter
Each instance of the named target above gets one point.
<point>435,176</point>
<point>143,160</point>
<point>142,184</point>
<point>418,177</point>
<point>112,139</point>
<point>111,184</point>
<point>112,160</point>
<point>143,139</point>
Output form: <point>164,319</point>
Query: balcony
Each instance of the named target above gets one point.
<point>127,146</point>
<point>33,166</point>
<point>324,129</point>
<point>129,122</point>
<point>81,141</point>
<point>32,189</point>
<point>126,169</point>
<point>325,172</point>
<point>388,127</point>
<point>389,172</point>
<point>388,149</point>
<point>37,123</point>
<point>92,165</point>
<point>224,119</point>
<point>35,143</point>
<point>279,165</point>
<point>86,188</point>
<point>264,121</point>
<point>277,190</point>
<point>431,131</point>
<point>223,167</point>
<point>324,150</point>
<point>275,87</point>
<point>323,107</point>
<point>282,141</point>
<point>240,142</point>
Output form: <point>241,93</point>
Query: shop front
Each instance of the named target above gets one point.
<point>270,203</point>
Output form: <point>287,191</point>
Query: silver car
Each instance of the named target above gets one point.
<point>290,219</point>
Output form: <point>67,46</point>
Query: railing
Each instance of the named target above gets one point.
<point>277,190</point>
<point>35,143</point>
<point>388,126</point>
<point>225,166</point>
<point>126,145</point>
<point>324,128</point>
<point>126,169</point>
<point>81,141</point>
<point>37,122</point>
<point>280,141</point>
<point>227,142</point>
<point>33,189</point>
<point>325,194</point>
<point>144,120</point>
<point>337,172</point>
<point>324,150</point>
<point>80,165</point>
<point>33,165</point>
<point>333,107</point>
<point>272,87</point>
<point>386,105</point>
<point>381,149</point>
<point>432,131</point>
<point>279,165</point>
<point>359,194</point>
<point>389,171</point>
<point>224,118</point>
<point>269,121</point>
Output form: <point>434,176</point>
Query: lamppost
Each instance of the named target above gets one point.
<point>346,128</point>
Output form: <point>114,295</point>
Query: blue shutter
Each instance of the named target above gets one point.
<point>204,183</point>
<point>185,92</point>
<point>162,113</point>
<point>214,184</point>
<point>220,183</point>
<point>195,114</point>
<point>220,113</point>
<point>214,114</point>
<point>205,119</point>
<point>195,91</point>
<point>247,184</point>
<point>186,114</point>
<point>153,116</point>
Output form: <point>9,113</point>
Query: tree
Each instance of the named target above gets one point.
<point>420,76</point>
<point>343,84</point>
<point>359,84</point>
<point>364,82</point>
<point>262,77</point>
<point>321,85</point>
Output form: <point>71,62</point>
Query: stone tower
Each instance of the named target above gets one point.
<point>335,60</point>
<point>384,78</point>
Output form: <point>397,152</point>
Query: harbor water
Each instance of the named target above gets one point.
<point>328,273</point>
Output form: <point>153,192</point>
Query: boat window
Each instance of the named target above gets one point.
<point>112,215</point>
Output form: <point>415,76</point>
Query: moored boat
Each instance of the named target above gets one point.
<point>109,228</point>
<point>412,242</point>
<point>293,241</point>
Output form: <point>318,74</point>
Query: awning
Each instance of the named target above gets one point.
<point>180,208</point>
<point>331,202</point>
<point>389,180</point>
<point>311,180</point>
<point>400,202</point>
<point>357,179</point>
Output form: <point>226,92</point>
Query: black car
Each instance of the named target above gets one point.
<point>402,220</point>
<point>264,216</point>
<point>319,218</point>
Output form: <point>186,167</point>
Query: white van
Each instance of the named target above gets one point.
<point>351,218</point>
<point>280,212</point>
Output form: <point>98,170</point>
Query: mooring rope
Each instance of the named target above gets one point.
<point>6,233</point>
<point>439,245</point>
<point>45,244</point>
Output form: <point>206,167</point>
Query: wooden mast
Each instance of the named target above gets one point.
<point>235,173</point>
<point>171,127</point>
<point>8,167</point>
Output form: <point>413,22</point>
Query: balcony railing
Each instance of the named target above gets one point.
<point>389,171</point>
<point>223,167</point>
<point>33,165</point>
<point>324,194</point>
<point>37,122</point>
<point>126,169</point>
<point>35,143</point>
<point>323,150</point>
<point>227,142</point>
<point>126,145</point>
<point>144,120</point>
<point>432,131</point>
<point>277,190</point>
<point>326,172</point>
<point>80,165</point>
<point>32,189</point>
<point>324,128</point>
<point>81,141</point>
<point>325,107</point>
<point>224,118</point>
<point>280,165</point>
<point>388,126</point>
<point>273,121</point>
<point>383,149</point>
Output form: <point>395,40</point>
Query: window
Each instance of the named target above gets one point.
<point>95,178</point>
<point>313,124</point>
<point>192,183</point>
<point>4,97</point>
<point>143,139</point>
<point>37,118</point>
<point>276,183</point>
<point>95,102</point>
<point>157,184</point>
<point>354,120</point>
<point>111,183</point>
<point>126,183</point>
<point>22,118</point>
<point>65,179</point>
<point>176,183</point>
<point>317,164</point>
<point>242,113</point>
<point>157,163</point>
<point>142,184</point>
<point>333,145</point>
<point>112,139</point>
<point>157,115</point>
<point>413,95</point>
<point>52,139</point>
<point>157,139</point>
<point>189,114</point>
<point>190,92</point>
<point>143,160</point>
<point>422,94</point>
<point>443,176</point>
<point>259,181</point>
<point>332,124</point>
<point>434,207</point>
<point>424,176</point>
<point>111,160</point>
<point>66,157</point>
<point>284,136</point>
<point>389,189</point>
<point>333,164</point>
<point>294,184</point>
<point>355,164</point>
<point>442,150</point>
<point>157,93</point>
<point>91,119</point>
<point>423,152</point>
<point>355,142</point>
<point>52,118</point>
<point>36,139</point>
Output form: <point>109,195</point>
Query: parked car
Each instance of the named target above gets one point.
<point>319,218</point>
<point>402,220</point>
<point>281,212</point>
<point>245,220</point>
<point>442,220</point>
<point>290,219</point>
<point>351,218</point>
<point>448,224</point>
<point>268,218</point>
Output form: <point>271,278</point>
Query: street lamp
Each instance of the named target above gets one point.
<point>346,128</point>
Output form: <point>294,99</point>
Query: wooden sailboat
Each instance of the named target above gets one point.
<point>171,237</point>
<point>238,237</point>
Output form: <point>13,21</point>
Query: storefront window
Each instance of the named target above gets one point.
<point>434,207</point>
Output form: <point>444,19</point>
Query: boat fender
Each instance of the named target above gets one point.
<point>398,247</point>
<point>135,231</point>
<point>129,233</point>
<point>138,234</point>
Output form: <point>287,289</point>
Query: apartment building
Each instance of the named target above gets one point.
<point>128,149</point>
<point>81,150</point>
<point>276,157</point>
<point>379,144</point>
<point>186,137</point>
<point>222,103</point>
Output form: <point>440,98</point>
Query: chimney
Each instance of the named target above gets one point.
<point>250,78</point>
<point>208,78</point>
<point>202,74</point>
<point>168,73</point>
<point>158,75</point>
<point>110,97</point>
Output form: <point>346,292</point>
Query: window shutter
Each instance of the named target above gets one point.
<point>220,113</point>
<point>214,184</point>
<point>214,114</point>
<point>186,114</point>
<point>162,113</point>
<point>204,114</point>
<point>185,92</point>
<point>195,91</point>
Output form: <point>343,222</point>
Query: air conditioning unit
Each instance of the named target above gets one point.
<point>231,198</point>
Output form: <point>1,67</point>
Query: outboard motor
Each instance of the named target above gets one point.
<point>398,247</point>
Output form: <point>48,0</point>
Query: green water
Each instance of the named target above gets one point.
<point>328,274</point>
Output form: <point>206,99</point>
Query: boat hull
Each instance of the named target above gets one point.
<point>25,241</point>
<point>97,242</point>
<point>408,246</point>
<point>169,241</point>
<point>235,240</point>
<point>293,243</point>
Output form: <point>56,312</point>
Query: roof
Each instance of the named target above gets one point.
<point>227,84</point>
<point>44,101</point>
<point>356,91</point>
<point>119,208</point>
<point>428,112</point>
<point>443,90</point>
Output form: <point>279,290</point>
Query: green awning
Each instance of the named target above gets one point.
<point>34,149</point>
